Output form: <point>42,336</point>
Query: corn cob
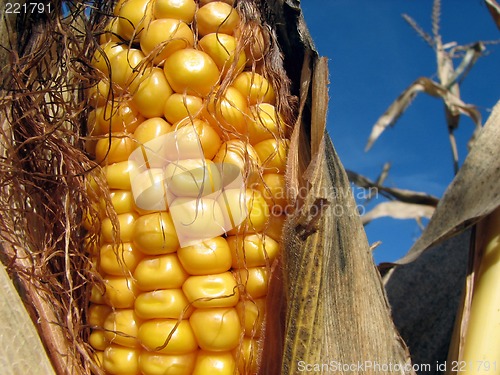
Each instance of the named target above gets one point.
<point>185,257</point>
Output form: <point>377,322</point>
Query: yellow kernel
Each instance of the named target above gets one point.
<point>191,71</point>
<point>160,272</point>
<point>228,113</point>
<point>118,174</point>
<point>214,363</point>
<point>183,10</point>
<point>162,303</point>
<point>252,315</point>
<point>97,340</point>
<point>123,232</point>
<point>255,88</point>
<point>168,336</point>
<point>162,37</point>
<point>253,250</point>
<point>217,17</point>
<point>242,155</point>
<point>120,292</point>
<point>194,133</point>
<point>148,188</point>
<point>154,234</point>
<point>253,281</point>
<point>114,148</point>
<point>152,363</point>
<point>196,219</point>
<point>272,153</point>
<point>179,106</point>
<point>104,54</point>
<point>151,129</point>
<point>121,327</point>
<point>134,15</point>
<point>222,48</point>
<point>212,290</point>
<point>216,329</point>
<point>110,31</point>
<point>250,205</point>
<point>152,92</point>
<point>192,178</point>
<point>274,191</point>
<point>208,257</point>
<point>119,259</point>
<point>97,314</point>
<point>97,295</point>
<point>126,66</point>
<point>266,123</point>
<point>257,43</point>
<point>98,95</point>
<point>118,360</point>
<point>121,200</point>
<point>117,116</point>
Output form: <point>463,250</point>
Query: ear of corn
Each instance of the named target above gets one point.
<point>193,150</point>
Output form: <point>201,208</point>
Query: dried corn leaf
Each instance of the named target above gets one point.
<point>336,308</point>
<point>473,193</point>
<point>423,84</point>
<point>494,9</point>
<point>398,210</point>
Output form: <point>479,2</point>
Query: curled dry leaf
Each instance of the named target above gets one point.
<point>494,9</point>
<point>398,210</point>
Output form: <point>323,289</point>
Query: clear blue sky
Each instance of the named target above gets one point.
<point>374,55</point>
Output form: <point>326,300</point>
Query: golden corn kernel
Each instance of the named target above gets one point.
<point>167,336</point>
<point>217,17</point>
<point>134,16</point>
<point>152,363</point>
<point>119,259</point>
<point>151,129</point>
<point>228,114</point>
<point>255,206</point>
<point>117,116</point>
<point>192,178</point>
<point>211,256</point>
<point>118,174</point>
<point>216,329</point>
<point>212,290</point>
<point>121,326</point>
<point>126,226</point>
<point>99,94</point>
<point>253,250</point>
<point>266,123</point>
<point>164,36</point>
<point>98,357</point>
<point>222,48</point>
<point>111,31</point>
<point>183,10</point>
<point>97,314</point>
<point>191,71</point>
<point>154,234</point>
<point>242,155</point>
<point>121,200</point>
<point>252,314</point>
<point>114,149</point>
<point>97,295</point>
<point>195,133</point>
<point>104,53</point>
<point>119,360</point>
<point>214,363</point>
<point>148,188</point>
<point>275,192</point>
<point>253,281</point>
<point>120,292</point>
<point>152,92</point>
<point>126,66</point>
<point>272,153</point>
<point>255,88</point>
<point>162,303</point>
<point>196,219</point>
<point>179,106</point>
<point>160,272</point>
<point>97,340</point>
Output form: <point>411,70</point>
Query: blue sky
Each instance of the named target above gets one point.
<point>373,56</point>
